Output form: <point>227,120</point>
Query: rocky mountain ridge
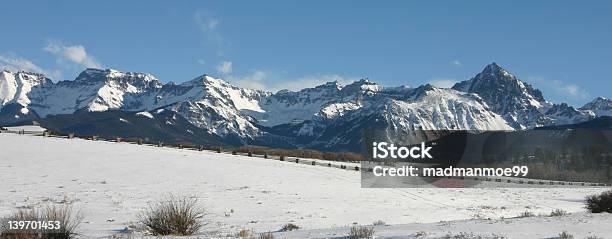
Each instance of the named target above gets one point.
<point>328,116</point>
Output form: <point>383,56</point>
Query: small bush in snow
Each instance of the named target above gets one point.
<point>266,235</point>
<point>244,233</point>
<point>360,232</point>
<point>558,213</point>
<point>289,227</point>
<point>526,214</point>
<point>566,235</point>
<point>68,219</point>
<point>594,237</point>
<point>600,203</point>
<point>379,223</point>
<point>173,216</point>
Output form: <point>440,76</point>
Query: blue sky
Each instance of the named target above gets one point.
<point>561,47</point>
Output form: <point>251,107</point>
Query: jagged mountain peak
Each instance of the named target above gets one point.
<point>600,106</point>
<point>563,113</point>
<point>495,77</point>
<point>518,102</point>
<point>362,86</point>
<point>204,80</point>
<point>598,102</point>
<point>420,91</point>
<point>335,85</point>
<point>494,68</point>
<point>94,74</point>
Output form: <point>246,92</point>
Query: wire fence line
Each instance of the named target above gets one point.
<point>290,159</point>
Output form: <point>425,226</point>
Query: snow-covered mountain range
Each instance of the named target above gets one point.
<point>329,116</point>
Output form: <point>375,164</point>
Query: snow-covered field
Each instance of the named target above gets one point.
<point>112,182</point>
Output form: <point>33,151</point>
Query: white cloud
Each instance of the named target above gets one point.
<point>443,82</point>
<point>76,54</point>
<point>224,67</point>
<point>457,63</point>
<point>17,64</point>
<point>255,80</point>
<point>13,63</point>
<point>205,22</point>
<point>565,89</point>
<point>572,90</point>
<point>209,26</point>
<point>260,80</point>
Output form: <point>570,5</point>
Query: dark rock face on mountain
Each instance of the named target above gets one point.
<point>517,102</point>
<point>331,116</point>
<point>600,106</point>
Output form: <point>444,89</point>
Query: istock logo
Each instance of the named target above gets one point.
<point>383,150</point>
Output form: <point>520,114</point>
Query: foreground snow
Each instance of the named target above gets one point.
<point>112,182</point>
<point>580,225</point>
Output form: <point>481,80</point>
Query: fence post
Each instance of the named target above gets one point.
<point>140,141</point>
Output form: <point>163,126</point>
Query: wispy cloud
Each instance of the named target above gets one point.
<point>224,67</point>
<point>209,25</point>
<point>254,80</point>
<point>566,89</point>
<point>72,53</point>
<point>15,63</point>
<point>443,82</point>
<point>456,63</point>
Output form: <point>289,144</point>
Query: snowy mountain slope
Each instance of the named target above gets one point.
<point>17,92</point>
<point>206,102</point>
<point>425,107</point>
<point>561,114</point>
<point>321,116</point>
<point>324,102</point>
<point>213,104</point>
<point>98,90</point>
<point>19,87</point>
<point>600,106</point>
